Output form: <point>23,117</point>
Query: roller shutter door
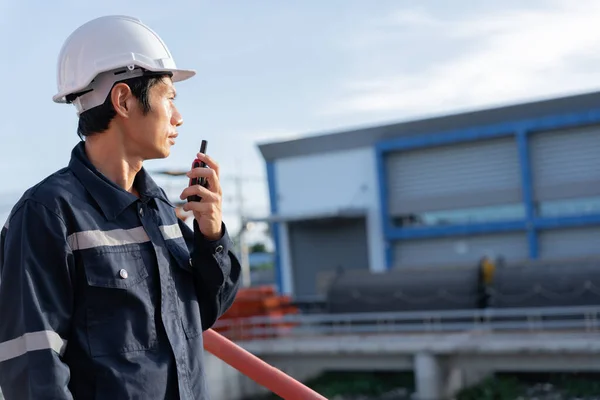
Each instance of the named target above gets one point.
<point>566,164</point>
<point>319,246</point>
<point>570,242</point>
<point>465,175</point>
<point>459,251</point>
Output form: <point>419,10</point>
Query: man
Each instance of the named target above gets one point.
<point>104,293</point>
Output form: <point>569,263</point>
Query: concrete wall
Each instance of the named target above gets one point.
<point>226,383</point>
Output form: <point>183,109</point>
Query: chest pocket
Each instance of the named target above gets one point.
<point>119,301</point>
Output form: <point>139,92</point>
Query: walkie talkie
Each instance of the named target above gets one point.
<point>198,181</point>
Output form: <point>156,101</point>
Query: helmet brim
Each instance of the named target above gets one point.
<point>178,75</point>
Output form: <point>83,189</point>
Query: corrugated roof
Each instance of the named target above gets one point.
<point>350,139</point>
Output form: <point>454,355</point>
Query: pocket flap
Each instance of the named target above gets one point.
<point>115,269</point>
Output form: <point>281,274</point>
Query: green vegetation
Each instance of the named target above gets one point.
<point>258,248</point>
<point>332,384</point>
<point>347,385</point>
<point>366,383</point>
<point>492,388</point>
<point>526,386</point>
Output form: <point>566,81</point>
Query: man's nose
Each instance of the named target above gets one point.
<point>176,118</point>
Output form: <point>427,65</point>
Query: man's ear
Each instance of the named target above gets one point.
<point>122,99</point>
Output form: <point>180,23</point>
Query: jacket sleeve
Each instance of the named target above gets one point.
<point>36,300</point>
<point>216,270</point>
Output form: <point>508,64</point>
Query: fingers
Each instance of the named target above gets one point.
<point>210,174</point>
<point>207,195</point>
<point>210,162</point>
<point>202,208</point>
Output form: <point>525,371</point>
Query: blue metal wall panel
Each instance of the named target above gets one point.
<point>527,190</point>
<point>566,222</point>
<point>272,183</point>
<point>383,209</point>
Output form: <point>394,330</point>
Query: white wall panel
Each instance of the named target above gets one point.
<point>324,183</point>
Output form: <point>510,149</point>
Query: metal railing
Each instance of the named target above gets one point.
<point>256,369</point>
<point>579,319</point>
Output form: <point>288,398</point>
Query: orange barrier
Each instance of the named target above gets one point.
<point>256,369</point>
<point>252,302</point>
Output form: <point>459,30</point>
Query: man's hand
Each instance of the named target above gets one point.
<point>208,211</point>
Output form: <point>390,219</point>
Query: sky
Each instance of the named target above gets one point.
<point>271,71</point>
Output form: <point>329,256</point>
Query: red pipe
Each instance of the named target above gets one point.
<point>256,369</point>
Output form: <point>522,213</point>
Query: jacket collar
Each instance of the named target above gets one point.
<point>111,198</point>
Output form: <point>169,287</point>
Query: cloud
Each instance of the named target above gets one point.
<point>270,136</point>
<point>500,57</point>
<point>416,17</point>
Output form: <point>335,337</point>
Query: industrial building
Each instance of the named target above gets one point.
<point>521,182</point>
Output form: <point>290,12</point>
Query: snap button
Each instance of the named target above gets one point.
<point>123,274</point>
<point>219,249</point>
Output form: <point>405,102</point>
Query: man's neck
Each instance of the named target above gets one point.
<point>113,163</point>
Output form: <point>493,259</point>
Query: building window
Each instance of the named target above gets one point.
<point>509,212</point>
<point>569,207</point>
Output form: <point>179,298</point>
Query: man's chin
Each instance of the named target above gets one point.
<point>158,154</point>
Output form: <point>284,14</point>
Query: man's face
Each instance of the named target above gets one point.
<point>151,135</point>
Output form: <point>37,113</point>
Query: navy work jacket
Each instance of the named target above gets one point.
<point>104,295</point>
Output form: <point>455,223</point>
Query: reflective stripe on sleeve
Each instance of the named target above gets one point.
<point>42,340</point>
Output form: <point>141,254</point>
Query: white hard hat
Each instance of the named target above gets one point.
<point>106,50</point>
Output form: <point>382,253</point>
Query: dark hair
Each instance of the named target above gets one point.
<point>97,119</point>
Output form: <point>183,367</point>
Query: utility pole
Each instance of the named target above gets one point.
<point>244,256</point>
